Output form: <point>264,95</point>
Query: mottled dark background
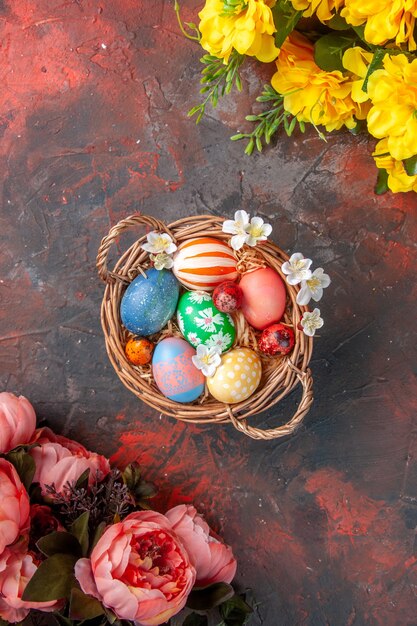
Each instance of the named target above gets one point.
<point>93,121</point>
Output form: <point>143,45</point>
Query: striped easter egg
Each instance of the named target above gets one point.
<point>204,263</point>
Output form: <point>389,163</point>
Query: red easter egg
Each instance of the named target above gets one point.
<point>277,339</point>
<point>227,297</point>
<point>264,297</point>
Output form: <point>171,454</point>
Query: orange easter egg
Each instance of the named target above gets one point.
<point>203,263</point>
<point>139,350</point>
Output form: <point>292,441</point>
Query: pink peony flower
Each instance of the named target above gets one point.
<point>14,505</point>
<point>214,561</point>
<point>139,569</point>
<point>16,569</point>
<point>17,421</point>
<point>60,460</point>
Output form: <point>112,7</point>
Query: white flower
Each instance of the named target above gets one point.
<point>207,359</point>
<point>159,242</point>
<point>297,269</point>
<point>237,228</point>
<point>313,287</point>
<point>162,261</point>
<point>189,310</point>
<point>199,296</point>
<point>180,321</point>
<point>222,341</point>
<point>256,231</point>
<point>192,338</point>
<point>311,322</point>
<point>208,320</point>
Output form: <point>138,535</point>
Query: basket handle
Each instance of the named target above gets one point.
<point>306,381</point>
<point>106,243</point>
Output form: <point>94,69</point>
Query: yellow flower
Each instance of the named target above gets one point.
<point>393,93</point>
<point>249,31</point>
<point>398,179</point>
<point>356,60</point>
<point>384,20</point>
<point>324,9</point>
<point>311,94</point>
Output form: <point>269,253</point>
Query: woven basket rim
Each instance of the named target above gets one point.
<point>280,374</point>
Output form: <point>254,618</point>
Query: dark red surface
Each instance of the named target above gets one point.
<point>93,120</point>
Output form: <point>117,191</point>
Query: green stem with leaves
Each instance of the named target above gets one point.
<point>268,121</point>
<point>217,79</point>
<point>190,25</point>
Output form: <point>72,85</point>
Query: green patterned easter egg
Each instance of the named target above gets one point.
<point>201,323</point>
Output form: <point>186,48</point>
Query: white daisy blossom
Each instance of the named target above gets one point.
<point>207,359</point>
<point>237,228</point>
<point>158,243</point>
<point>189,310</point>
<point>162,261</point>
<point>256,231</point>
<point>297,269</point>
<point>311,322</point>
<point>192,338</point>
<point>208,320</point>
<point>222,341</point>
<point>199,296</point>
<point>313,287</point>
<point>180,321</point>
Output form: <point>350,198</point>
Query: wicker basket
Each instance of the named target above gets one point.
<point>280,374</point>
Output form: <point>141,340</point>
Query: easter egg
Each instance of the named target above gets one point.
<point>204,263</point>
<point>139,350</point>
<point>277,339</point>
<point>148,303</point>
<point>201,323</point>
<point>237,377</point>
<point>227,297</point>
<point>264,297</point>
<point>174,372</point>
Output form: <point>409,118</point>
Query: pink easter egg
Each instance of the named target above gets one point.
<point>264,297</point>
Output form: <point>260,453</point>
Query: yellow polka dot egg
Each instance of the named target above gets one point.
<point>237,377</point>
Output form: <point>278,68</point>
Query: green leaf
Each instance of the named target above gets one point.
<point>59,543</point>
<point>82,482</point>
<point>357,128</point>
<point>235,611</point>
<point>53,579</point>
<point>360,31</point>
<point>410,165</point>
<point>79,528</point>
<point>329,50</point>
<point>375,64</point>
<point>139,488</point>
<point>209,597</point>
<point>285,20</point>
<point>194,619</point>
<point>250,146</point>
<point>97,534</point>
<point>61,620</point>
<point>84,607</point>
<point>24,465</point>
<point>381,186</point>
<point>338,23</point>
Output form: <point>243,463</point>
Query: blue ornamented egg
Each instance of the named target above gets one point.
<point>174,372</point>
<point>148,303</point>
